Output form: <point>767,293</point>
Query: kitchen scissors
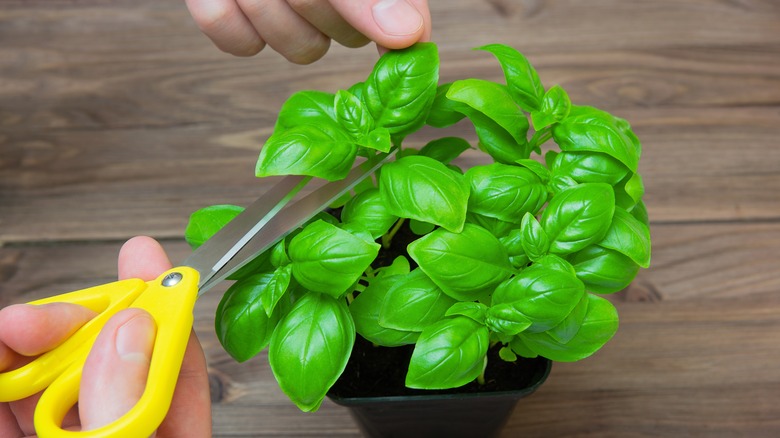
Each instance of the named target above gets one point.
<point>170,300</point>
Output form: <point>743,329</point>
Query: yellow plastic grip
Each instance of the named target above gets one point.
<point>106,300</point>
<point>170,300</point>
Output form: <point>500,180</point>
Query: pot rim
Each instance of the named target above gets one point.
<point>538,379</point>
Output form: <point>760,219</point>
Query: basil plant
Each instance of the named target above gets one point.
<point>516,252</point>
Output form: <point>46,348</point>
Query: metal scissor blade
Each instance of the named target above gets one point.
<point>276,225</point>
<point>213,254</point>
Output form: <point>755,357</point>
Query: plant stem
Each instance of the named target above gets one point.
<point>388,237</point>
<point>540,137</point>
<point>481,377</point>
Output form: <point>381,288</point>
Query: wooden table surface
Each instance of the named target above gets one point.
<point>119,118</point>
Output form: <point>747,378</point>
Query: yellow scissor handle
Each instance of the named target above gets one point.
<point>170,300</point>
<point>105,300</point>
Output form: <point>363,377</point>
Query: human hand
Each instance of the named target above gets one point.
<point>301,30</point>
<point>115,372</point>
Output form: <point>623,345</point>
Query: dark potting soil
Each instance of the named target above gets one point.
<point>381,371</point>
<point>375,371</point>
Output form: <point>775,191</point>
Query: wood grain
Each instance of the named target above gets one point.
<point>120,118</point>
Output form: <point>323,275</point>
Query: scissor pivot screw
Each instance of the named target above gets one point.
<point>172,279</point>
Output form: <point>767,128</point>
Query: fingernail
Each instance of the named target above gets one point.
<point>397,17</point>
<point>135,339</point>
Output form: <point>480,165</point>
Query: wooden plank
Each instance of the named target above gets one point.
<point>49,83</point>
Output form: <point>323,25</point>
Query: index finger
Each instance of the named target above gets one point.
<point>142,257</point>
<point>34,329</point>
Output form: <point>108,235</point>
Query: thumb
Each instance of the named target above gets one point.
<point>116,369</point>
<point>392,24</point>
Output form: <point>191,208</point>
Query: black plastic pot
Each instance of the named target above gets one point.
<point>476,415</point>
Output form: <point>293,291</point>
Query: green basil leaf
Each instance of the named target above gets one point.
<point>554,262</point>
<point>640,213</point>
<point>513,242</point>
<point>590,129</point>
<point>497,141</point>
<point>449,354</point>
<point>413,303</point>
<point>536,167</point>
<point>420,228</point>
<point>598,327</point>
<point>578,217</point>
<point>521,78</point>
<point>369,209</point>
<point>550,157</point>
<point>535,242</point>
<point>604,270</point>
<point>466,266</point>
<point>497,227</point>
<point>378,139</point>
<point>559,183</point>
<point>357,89</point>
<point>268,287</point>
<point>358,230</point>
<point>505,192</point>
<point>521,349</point>
<point>493,101</point>
<point>242,323</point>
<point>310,348</point>
<point>543,295</point>
<point>205,223</point>
<point>469,309</point>
<point>328,259</point>
<point>306,108</point>
<point>399,266</point>
<point>365,311</point>
<point>279,254</point>
<point>322,150</point>
<point>401,88</point>
<point>352,115</point>
<point>422,188</point>
<point>445,112</point>
<point>282,277</point>
<point>555,107</point>
<point>519,261</point>
<point>506,354</point>
<point>629,191</point>
<point>570,326</point>
<point>445,149</point>
<point>628,236</point>
<point>505,319</point>
<point>587,167</point>
<point>625,128</point>
<point>455,169</point>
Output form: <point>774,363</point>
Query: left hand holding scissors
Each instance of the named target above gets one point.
<point>119,360</point>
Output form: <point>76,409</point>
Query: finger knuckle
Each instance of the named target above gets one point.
<point>213,19</point>
<point>305,6</point>
<point>308,52</point>
<point>253,7</point>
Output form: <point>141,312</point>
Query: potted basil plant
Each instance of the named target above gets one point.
<point>462,269</point>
